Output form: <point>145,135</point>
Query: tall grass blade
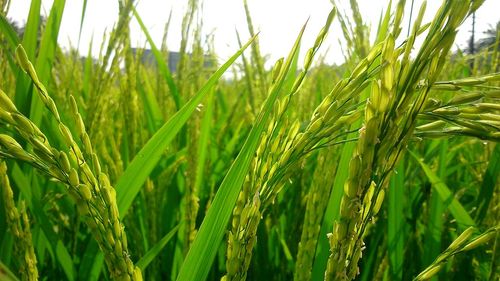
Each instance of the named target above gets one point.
<point>66,262</point>
<point>156,249</point>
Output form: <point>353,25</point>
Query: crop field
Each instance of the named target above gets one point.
<point>116,166</point>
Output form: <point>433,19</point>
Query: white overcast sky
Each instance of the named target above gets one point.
<point>277,20</point>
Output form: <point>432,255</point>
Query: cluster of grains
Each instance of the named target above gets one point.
<point>89,187</point>
<point>353,207</point>
<point>463,243</point>
<point>470,112</point>
<point>396,99</point>
<point>241,241</point>
<point>247,209</point>
<point>19,226</point>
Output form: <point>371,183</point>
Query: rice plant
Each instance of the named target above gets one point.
<point>115,167</point>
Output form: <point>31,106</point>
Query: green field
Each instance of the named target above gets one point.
<point>117,165</point>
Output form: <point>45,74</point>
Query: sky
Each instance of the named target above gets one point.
<point>278,22</point>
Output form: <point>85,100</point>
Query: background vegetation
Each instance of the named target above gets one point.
<point>113,166</point>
